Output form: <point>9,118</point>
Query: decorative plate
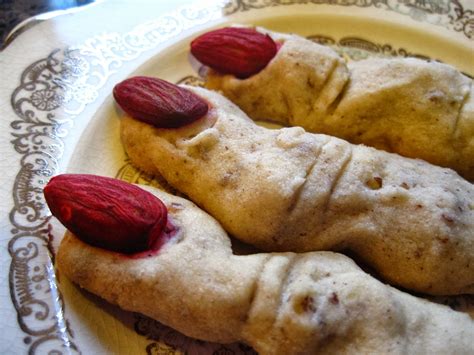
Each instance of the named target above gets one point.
<point>59,116</point>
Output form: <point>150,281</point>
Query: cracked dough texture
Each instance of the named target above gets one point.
<point>282,303</point>
<point>408,106</point>
<point>288,190</point>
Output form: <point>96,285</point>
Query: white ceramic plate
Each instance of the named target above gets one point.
<point>65,120</point>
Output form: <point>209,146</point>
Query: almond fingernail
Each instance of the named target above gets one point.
<point>107,213</point>
<point>159,102</point>
<point>242,52</point>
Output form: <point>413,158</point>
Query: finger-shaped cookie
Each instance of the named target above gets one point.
<point>288,190</point>
<point>282,303</point>
<point>408,106</point>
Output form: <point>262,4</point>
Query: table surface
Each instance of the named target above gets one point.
<point>13,12</point>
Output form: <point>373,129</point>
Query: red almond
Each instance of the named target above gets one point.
<point>159,102</point>
<point>242,52</point>
<point>107,213</point>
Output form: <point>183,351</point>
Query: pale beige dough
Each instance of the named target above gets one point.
<point>408,106</point>
<point>288,190</point>
<point>281,303</point>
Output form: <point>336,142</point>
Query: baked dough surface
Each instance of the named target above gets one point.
<point>280,303</point>
<point>288,190</point>
<point>408,106</point>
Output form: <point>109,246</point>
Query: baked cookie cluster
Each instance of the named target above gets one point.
<point>303,199</point>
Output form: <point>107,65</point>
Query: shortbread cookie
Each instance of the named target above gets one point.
<point>288,190</point>
<point>408,106</point>
<point>281,303</point>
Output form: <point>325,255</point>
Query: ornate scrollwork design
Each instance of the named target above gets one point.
<point>172,342</point>
<point>191,81</point>
<point>29,284</point>
<point>53,345</point>
<point>446,13</point>
<point>41,104</point>
<point>355,48</point>
<point>462,20</point>
<point>28,212</point>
